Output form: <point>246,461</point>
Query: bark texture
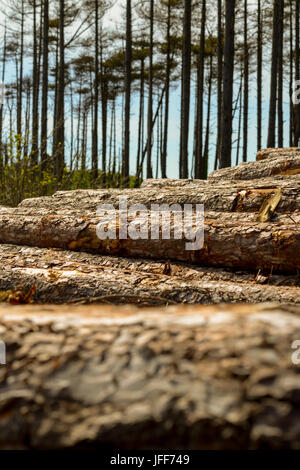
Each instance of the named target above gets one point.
<point>180,377</point>
<point>222,196</point>
<point>278,153</point>
<point>273,165</point>
<point>62,276</point>
<point>232,240</point>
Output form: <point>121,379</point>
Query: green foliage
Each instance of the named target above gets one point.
<point>21,179</point>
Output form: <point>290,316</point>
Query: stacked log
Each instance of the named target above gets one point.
<point>166,378</point>
<point>269,162</point>
<point>230,240</point>
<point>59,276</point>
<point>234,238</point>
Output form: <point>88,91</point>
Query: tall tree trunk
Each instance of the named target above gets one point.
<point>44,87</point>
<point>291,60</point>
<point>1,104</point>
<point>20,88</point>
<point>240,121</point>
<point>96,96</point>
<point>280,77</point>
<point>259,75</point>
<point>185,93</point>
<point>296,108</point>
<point>125,166</point>
<point>167,97</point>
<point>55,126</point>
<point>220,83</point>
<point>225,158</point>
<point>246,83</point>
<point>204,169</point>
<point>35,90</point>
<point>61,99</point>
<point>141,114</point>
<point>200,93</point>
<point>150,97</point>
<point>274,70</point>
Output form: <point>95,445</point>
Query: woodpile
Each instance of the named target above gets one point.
<point>241,228</point>
<point>213,376</point>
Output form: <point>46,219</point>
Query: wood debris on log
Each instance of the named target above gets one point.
<point>96,377</point>
<point>230,240</point>
<point>276,164</point>
<point>221,196</point>
<point>63,276</point>
<point>281,152</point>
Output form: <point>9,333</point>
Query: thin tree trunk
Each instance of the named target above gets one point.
<point>35,122</point>
<point>280,77</point>
<point>274,71</point>
<point>44,113</point>
<point>220,83</point>
<point>291,60</point>
<point>206,146</point>
<point>1,104</point>
<point>259,76</point>
<point>246,83</point>
<point>20,88</point>
<point>167,96</point>
<point>96,96</point>
<point>185,93</point>
<point>225,158</point>
<point>59,157</point>
<point>200,94</point>
<point>141,112</point>
<point>150,97</point>
<point>125,166</point>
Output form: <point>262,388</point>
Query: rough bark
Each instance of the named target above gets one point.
<point>233,240</point>
<point>289,165</point>
<point>92,377</point>
<point>222,196</point>
<point>61,276</point>
<point>273,152</point>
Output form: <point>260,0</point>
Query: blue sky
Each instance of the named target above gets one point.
<point>114,18</point>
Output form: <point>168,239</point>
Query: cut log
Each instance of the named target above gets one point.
<point>273,165</point>
<point>91,377</point>
<point>169,183</point>
<point>221,196</point>
<point>230,240</point>
<point>281,153</point>
<point>62,276</point>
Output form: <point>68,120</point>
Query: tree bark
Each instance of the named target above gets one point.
<point>96,96</point>
<point>246,84</point>
<point>125,170</point>
<point>274,74</point>
<point>185,92</point>
<point>200,93</point>
<point>233,240</point>
<point>35,91</point>
<point>150,93</point>
<point>225,157</point>
<point>275,165</point>
<point>44,113</point>
<point>259,75</point>
<point>118,374</point>
<point>220,84</point>
<point>222,196</point>
<point>63,276</point>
